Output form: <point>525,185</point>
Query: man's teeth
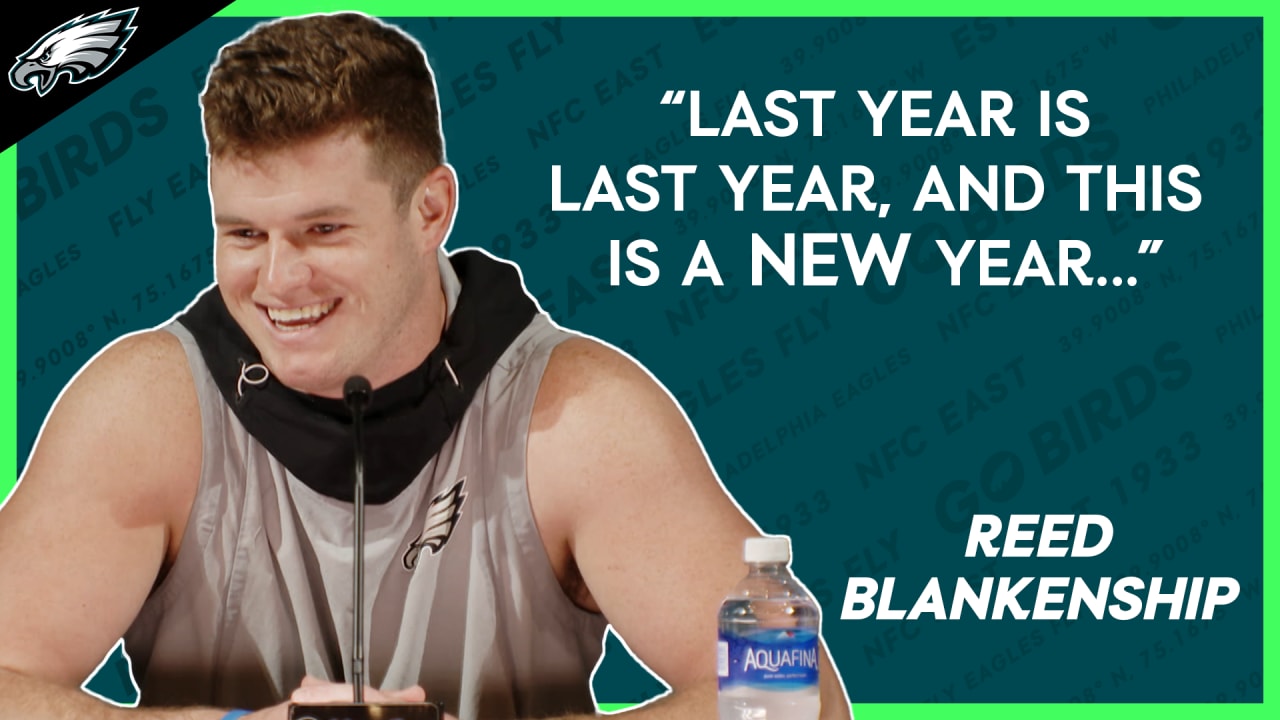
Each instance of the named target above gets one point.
<point>293,318</point>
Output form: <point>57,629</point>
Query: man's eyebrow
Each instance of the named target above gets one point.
<point>326,211</point>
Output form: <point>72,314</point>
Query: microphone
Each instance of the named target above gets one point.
<point>356,393</point>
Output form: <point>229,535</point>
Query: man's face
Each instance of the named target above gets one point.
<point>321,270</point>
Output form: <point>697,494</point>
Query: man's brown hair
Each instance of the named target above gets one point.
<point>300,78</point>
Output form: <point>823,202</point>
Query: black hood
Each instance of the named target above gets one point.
<point>408,419</point>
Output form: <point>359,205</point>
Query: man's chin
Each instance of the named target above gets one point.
<point>308,381</point>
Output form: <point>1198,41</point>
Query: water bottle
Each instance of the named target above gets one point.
<point>767,656</point>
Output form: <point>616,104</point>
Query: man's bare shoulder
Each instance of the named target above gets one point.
<point>598,414</point>
<point>140,386</point>
<point>583,382</point>
<point>152,358</point>
<point>100,509</point>
<point>587,382</point>
<point>597,407</point>
<point>130,420</point>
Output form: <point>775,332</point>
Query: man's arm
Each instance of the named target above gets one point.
<point>623,492</point>
<point>28,697</point>
<point>97,514</point>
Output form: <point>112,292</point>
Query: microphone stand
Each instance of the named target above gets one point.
<point>356,392</point>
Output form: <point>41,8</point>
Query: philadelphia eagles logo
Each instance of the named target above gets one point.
<point>81,49</point>
<point>442,516</point>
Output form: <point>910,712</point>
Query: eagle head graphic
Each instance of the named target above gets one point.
<point>442,517</point>
<point>81,49</point>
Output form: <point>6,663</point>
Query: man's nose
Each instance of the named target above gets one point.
<point>286,266</point>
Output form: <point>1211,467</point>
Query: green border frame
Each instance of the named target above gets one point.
<point>926,8</point>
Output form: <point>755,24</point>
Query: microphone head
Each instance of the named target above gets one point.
<point>356,391</point>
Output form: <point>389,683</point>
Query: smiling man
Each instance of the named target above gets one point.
<point>320,266</point>
<point>519,475</point>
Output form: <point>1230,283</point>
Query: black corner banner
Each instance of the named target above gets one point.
<point>63,52</point>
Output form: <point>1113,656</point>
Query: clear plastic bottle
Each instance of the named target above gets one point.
<point>767,656</point>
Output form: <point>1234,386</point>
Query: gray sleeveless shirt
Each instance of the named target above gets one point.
<point>260,593</point>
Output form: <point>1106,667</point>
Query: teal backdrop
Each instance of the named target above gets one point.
<point>867,422</point>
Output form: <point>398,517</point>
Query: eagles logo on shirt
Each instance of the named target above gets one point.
<point>81,49</point>
<point>442,517</point>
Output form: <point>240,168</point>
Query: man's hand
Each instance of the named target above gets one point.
<point>319,692</point>
<point>314,690</point>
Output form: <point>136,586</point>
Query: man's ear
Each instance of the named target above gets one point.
<point>434,204</point>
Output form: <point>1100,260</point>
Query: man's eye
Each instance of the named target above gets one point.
<point>245,234</point>
<point>325,228</point>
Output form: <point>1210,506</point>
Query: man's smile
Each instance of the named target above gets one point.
<point>300,318</point>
